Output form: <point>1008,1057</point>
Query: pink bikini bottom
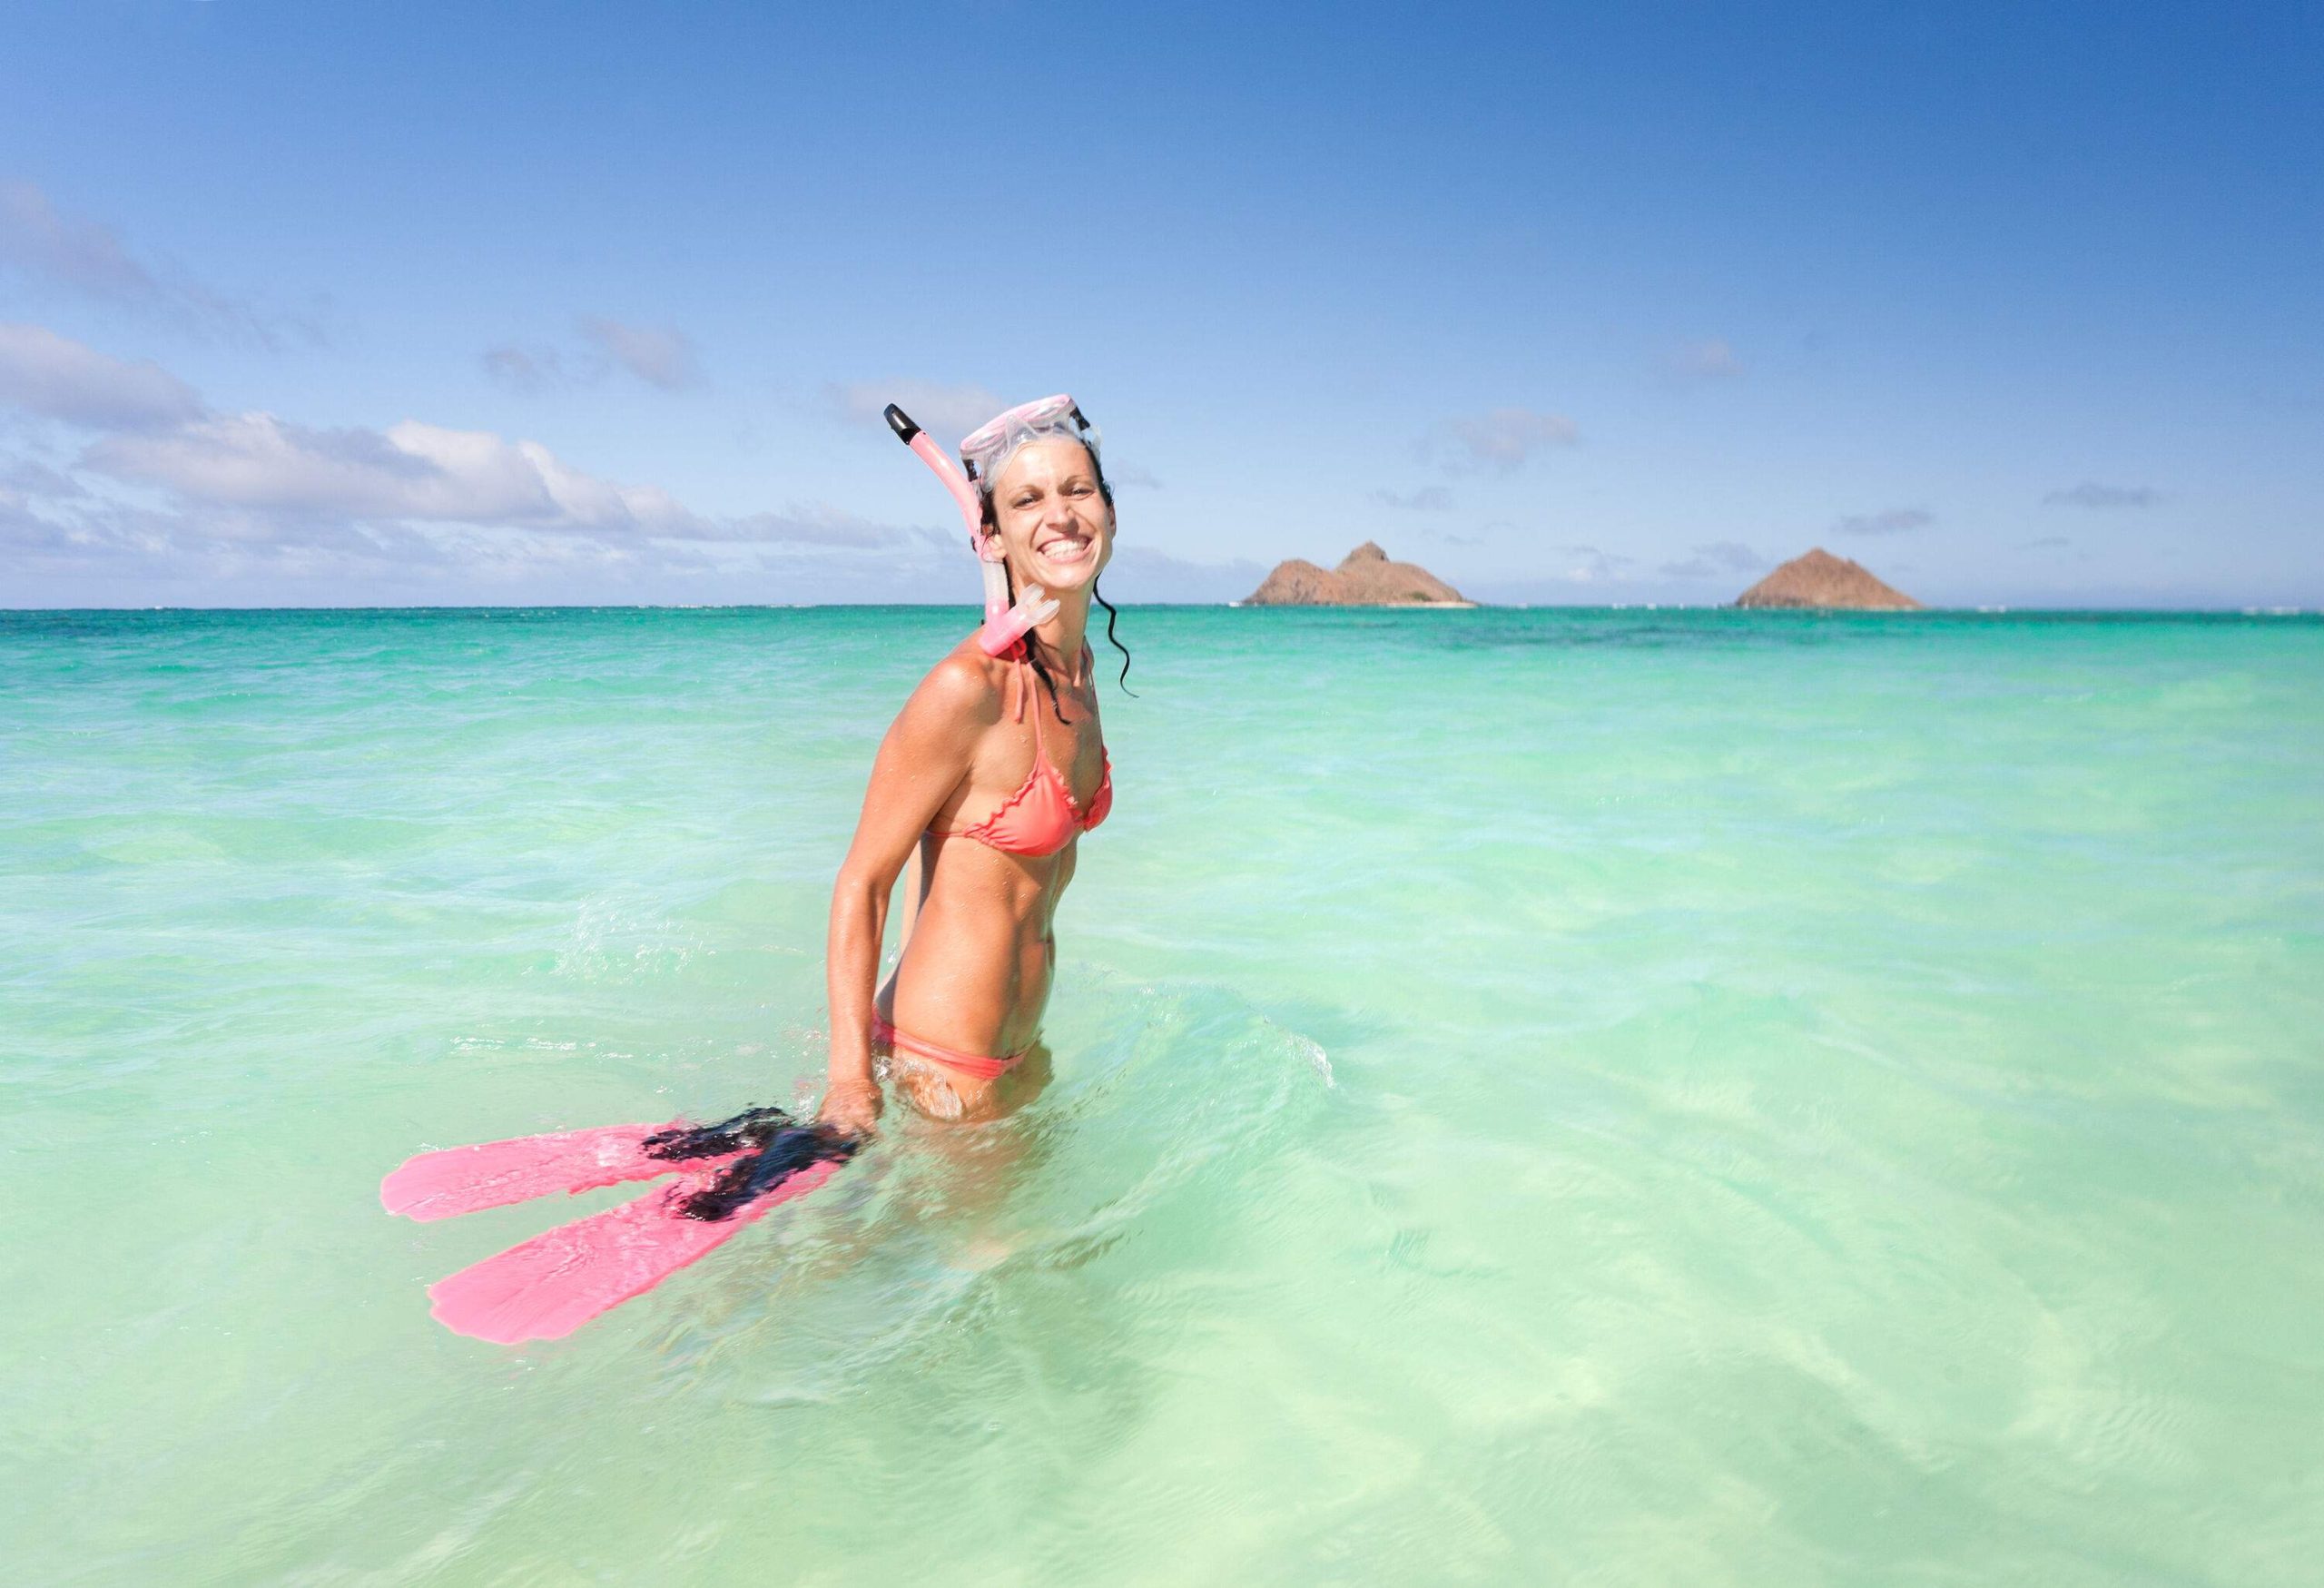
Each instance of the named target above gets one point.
<point>975,1066</point>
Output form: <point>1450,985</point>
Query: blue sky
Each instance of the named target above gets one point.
<point>358,305</point>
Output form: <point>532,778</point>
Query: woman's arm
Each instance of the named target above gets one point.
<point>922,760</point>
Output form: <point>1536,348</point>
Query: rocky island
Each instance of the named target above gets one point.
<point>1365,577</point>
<point>1821,579</point>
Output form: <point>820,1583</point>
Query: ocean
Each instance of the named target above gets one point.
<point>1587,1096</point>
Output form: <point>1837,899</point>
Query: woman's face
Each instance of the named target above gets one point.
<point>1054,527</point>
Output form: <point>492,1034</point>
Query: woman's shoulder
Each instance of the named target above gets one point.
<point>965,680</point>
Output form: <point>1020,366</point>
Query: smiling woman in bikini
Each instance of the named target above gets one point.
<point>984,783</point>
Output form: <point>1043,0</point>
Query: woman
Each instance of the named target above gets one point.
<point>984,783</point>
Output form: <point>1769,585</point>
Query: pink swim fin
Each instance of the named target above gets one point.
<point>462,1179</point>
<point>492,1174</point>
<point>551,1284</point>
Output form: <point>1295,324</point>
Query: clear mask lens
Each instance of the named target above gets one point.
<point>990,446</point>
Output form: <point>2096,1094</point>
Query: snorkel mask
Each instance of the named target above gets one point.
<point>983,456</point>
<point>992,444</point>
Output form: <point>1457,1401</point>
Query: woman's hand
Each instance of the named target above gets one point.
<point>851,1107</point>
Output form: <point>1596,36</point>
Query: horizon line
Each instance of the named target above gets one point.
<point>2232,609</point>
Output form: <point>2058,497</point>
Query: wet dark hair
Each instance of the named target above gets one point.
<point>993,522</point>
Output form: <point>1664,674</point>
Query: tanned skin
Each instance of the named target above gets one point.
<point>978,948</point>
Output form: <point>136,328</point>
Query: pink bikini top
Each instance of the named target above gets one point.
<point>1041,818</point>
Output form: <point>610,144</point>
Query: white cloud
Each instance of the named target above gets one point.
<point>819,525</point>
<point>1429,499</point>
<point>27,478</point>
<point>1709,359</point>
<point>409,471</point>
<point>661,357</point>
<point>1713,559</point>
<point>526,370</point>
<point>1136,475</point>
<point>657,355</point>
<point>947,413</point>
<point>1144,573</point>
<point>1587,565</point>
<point>2091,494</point>
<point>36,238</point>
<point>44,244</point>
<point>59,378</point>
<point>1894,521</point>
<point>157,433</point>
<point>1502,439</point>
<point>254,502</point>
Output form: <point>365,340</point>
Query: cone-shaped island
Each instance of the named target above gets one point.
<point>1365,577</point>
<point>1821,580</point>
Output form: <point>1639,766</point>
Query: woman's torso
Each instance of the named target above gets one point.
<point>976,969</point>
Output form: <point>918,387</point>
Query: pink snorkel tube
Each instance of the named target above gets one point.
<point>1004,624</point>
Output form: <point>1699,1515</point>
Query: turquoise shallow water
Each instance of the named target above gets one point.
<point>1596,1097</point>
